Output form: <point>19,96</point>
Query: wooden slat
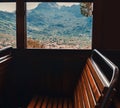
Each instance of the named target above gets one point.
<point>4,57</point>
<point>86,100</point>
<point>4,64</point>
<point>32,102</point>
<point>7,60</point>
<point>39,103</point>
<point>75,98</point>
<point>4,68</point>
<point>50,103</point>
<point>89,91</point>
<point>44,104</point>
<point>65,103</point>
<point>101,85</point>
<point>90,87</point>
<point>79,97</point>
<point>59,103</point>
<point>94,87</point>
<point>70,104</point>
<point>54,103</point>
<point>81,94</point>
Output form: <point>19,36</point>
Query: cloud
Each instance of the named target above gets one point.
<point>67,3</point>
<point>11,7</point>
<point>32,5</point>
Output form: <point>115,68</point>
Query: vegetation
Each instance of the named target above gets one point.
<point>86,8</point>
<point>51,26</point>
<point>61,42</point>
<point>31,43</point>
<point>7,40</point>
<point>50,42</point>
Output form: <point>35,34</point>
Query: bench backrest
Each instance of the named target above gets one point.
<point>96,83</point>
<point>5,59</point>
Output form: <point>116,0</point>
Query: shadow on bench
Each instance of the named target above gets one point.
<point>95,87</point>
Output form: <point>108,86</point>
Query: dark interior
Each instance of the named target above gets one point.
<point>24,74</point>
<point>52,73</point>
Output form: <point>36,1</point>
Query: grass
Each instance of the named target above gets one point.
<point>49,42</point>
<point>62,42</point>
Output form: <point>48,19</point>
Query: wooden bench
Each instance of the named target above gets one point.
<point>5,60</point>
<point>94,88</point>
<point>46,102</point>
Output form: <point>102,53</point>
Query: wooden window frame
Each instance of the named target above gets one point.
<point>21,37</point>
<point>21,31</point>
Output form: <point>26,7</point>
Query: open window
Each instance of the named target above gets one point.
<point>59,25</point>
<point>47,25</point>
<point>7,24</point>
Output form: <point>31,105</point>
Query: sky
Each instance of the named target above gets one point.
<point>10,7</point>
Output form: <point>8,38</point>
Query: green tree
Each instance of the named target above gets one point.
<point>86,8</point>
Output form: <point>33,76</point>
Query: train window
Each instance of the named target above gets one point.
<point>59,25</point>
<point>7,24</point>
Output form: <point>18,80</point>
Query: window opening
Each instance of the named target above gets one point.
<point>59,25</point>
<point>7,24</point>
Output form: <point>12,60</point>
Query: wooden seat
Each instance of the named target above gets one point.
<point>93,88</point>
<point>46,102</point>
<point>5,61</point>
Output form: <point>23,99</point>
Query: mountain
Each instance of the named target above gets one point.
<point>7,23</point>
<point>50,19</point>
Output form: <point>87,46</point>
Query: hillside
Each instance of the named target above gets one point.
<point>49,19</point>
<point>7,23</point>
<point>7,40</point>
<point>52,25</point>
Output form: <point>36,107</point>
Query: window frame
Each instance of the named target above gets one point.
<point>21,31</point>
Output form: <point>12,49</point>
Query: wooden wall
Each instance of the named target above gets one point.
<point>44,72</point>
<point>106,33</point>
<point>5,62</point>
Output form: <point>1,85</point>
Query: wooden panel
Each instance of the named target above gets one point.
<point>102,87</point>
<point>70,104</point>
<point>79,96</point>
<point>39,103</point>
<point>55,103</point>
<point>75,98</point>
<point>4,65</point>
<point>65,103</point>
<point>4,68</point>
<point>44,104</point>
<point>32,102</point>
<point>89,91</point>
<point>5,58</point>
<point>49,103</point>
<point>20,24</point>
<point>85,95</point>
<point>94,87</point>
<point>60,103</point>
<point>38,64</point>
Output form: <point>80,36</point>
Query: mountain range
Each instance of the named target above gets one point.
<point>49,19</point>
